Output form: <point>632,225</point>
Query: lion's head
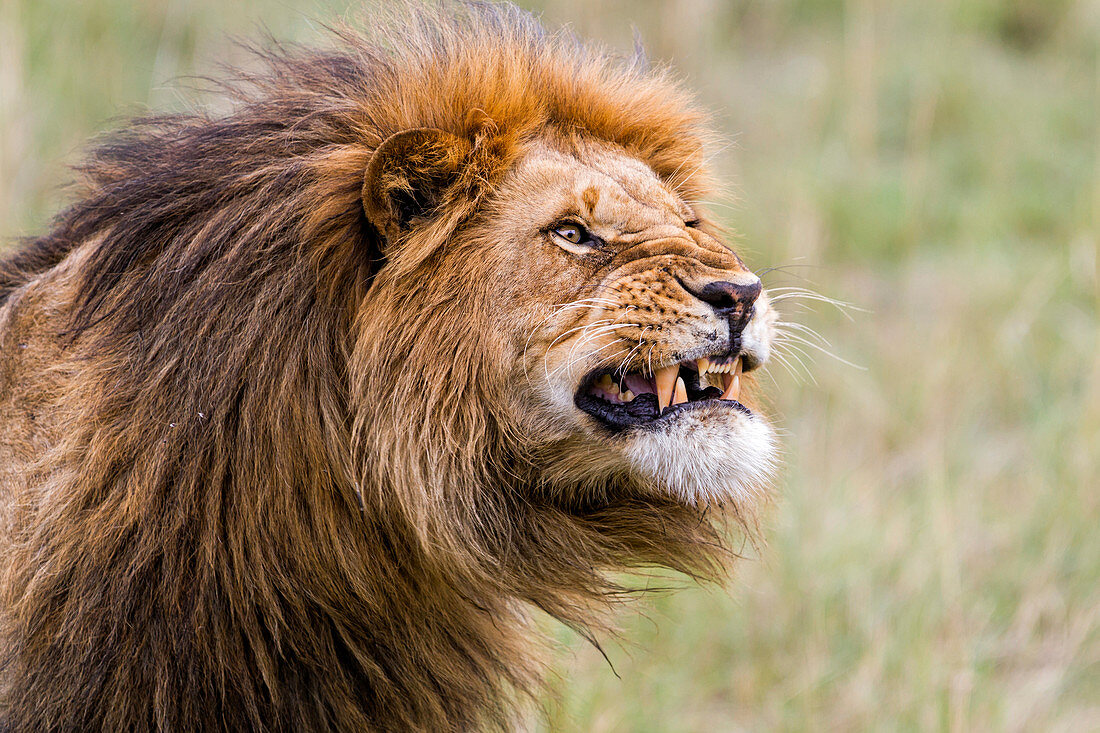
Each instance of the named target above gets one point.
<point>584,305</point>
<point>318,399</point>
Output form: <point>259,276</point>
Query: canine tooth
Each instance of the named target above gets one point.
<point>737,366</point>
<point>680,396</point>
<point>627,395</point>
<point>665,382</point>
<point>703,365</point>
<point>733,387</point>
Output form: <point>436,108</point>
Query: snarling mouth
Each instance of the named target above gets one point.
<point>624,400</point>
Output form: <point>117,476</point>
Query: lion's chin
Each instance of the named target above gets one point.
<point>705,455</point>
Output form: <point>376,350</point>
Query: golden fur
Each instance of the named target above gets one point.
<point>286,432</point>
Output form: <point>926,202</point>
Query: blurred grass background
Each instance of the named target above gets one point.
<point>933,561</point>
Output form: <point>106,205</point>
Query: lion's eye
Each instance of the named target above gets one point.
<point>573,233</point>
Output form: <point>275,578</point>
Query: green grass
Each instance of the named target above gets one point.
<point>933,559</point>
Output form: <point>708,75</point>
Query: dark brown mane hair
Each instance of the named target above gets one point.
<point>237,536</point>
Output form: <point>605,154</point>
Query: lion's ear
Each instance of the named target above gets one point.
<point>408,175</point>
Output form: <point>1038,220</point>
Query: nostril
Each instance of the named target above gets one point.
<point>726,297</point>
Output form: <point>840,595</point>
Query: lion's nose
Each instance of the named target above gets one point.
<point>728,299</point>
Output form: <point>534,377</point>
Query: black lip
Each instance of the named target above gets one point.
<point>642,412</point>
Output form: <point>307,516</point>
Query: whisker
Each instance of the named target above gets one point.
<point>601,301</point>
<point>675,183</point>
<point>825,351</point>
<point>584,338</point>
<point>797,376</point>
<point>558,309</point>
<point>622,363</point>
<point>796,352</point>
<point>672,177</point>
<point>569,365</point>
<point>791,353</point>
<point>527,344</point>
<point>719,204</point>
<point>778,295</point>
<point>784,268</point>
<point>584,327</point>
<point>806,330</point>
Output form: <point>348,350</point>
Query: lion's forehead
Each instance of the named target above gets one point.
<point>600,183</point>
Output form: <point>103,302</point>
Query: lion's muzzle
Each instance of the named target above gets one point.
<point>707,375</point>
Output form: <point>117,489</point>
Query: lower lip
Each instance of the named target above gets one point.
<point>673,410</point>
<point>669,415</point>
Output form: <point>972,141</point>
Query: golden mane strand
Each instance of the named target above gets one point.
<point>278,554</point>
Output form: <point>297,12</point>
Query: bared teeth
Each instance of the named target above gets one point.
<point>669,387</point>
<point>730,368</point>
<point>610,389</point>
<point>732,382</point>
<point>665,382</point>
<point>680,396</point>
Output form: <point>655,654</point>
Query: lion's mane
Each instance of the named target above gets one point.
<point>252,520</point>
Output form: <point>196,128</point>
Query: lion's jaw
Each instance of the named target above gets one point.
<point>626,306</point>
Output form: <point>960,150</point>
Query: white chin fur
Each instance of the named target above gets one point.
<point>706,455</point>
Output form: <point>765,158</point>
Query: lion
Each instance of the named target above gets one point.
<point>307,410</point>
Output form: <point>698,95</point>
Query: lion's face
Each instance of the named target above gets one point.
<point>631,328</point>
